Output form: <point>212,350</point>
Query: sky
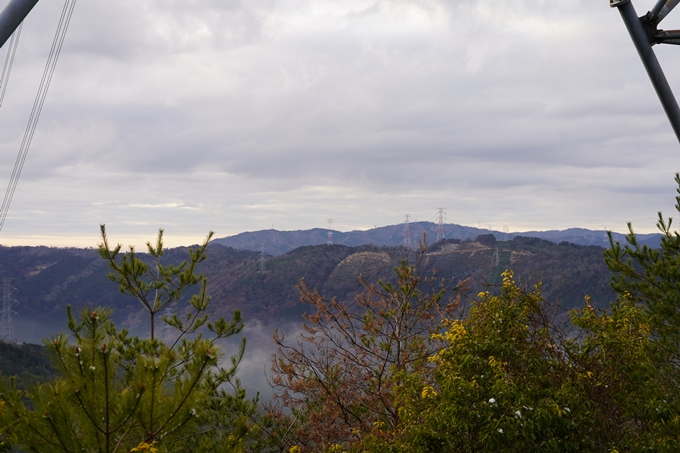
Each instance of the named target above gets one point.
<point>244,115</point>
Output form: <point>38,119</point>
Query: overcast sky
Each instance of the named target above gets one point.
<point>240,115</point>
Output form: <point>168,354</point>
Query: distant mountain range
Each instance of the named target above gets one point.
<point>44,280</point>
<point>274,242</point>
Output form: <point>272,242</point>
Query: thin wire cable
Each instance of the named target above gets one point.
<point>40,98</point>
<point>52,59</point>
<point>219,290</point>
<point>9,61</point>
<point>32,122</point>
<point>214,282</point>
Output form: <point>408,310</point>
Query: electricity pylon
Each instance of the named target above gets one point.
<point>645,33</point>
<point>329,234</point>
<point>441,235</point>
<point>7,314</point>
<point>263,259</point>
<point>407,231</point>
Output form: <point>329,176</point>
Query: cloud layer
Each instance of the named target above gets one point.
<point>234,116</point>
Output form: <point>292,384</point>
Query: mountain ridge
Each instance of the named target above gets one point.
<point>265,289</point>
<point>275,242</point>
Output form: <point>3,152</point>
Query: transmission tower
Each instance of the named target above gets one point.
<point>440,224</point>
<point>407,231</point>
<point>7,314</point>
<point>496,258</point>
<point>263,259</point>
<point>645,33</point>
<point>329,237</point>
<point>606,236</point>
<point>506,230</point>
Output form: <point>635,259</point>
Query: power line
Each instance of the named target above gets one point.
<point>219,280</point>
<point>52,59</point>
<point>221,287</point>
<point>9,61</point>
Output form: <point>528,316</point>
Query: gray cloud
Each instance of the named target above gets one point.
<point>234,115</point>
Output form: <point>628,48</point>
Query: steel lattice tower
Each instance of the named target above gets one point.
<point>329,237</point>
<point>7,314</point>
<point>407,231</point>
<point>263,259</point>
<point>440,224</point>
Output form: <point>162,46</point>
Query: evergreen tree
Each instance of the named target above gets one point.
<point>119,393</point>
<point>651,277</point>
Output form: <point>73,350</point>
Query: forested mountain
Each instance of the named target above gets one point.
<point>276,242</point>
<point>506,365</point>
<point>29,363</point>
<point>265,287</point>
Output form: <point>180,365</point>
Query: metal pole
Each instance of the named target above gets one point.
<point>13,14</point>
<point>643,45</point>
<point>662,8</point>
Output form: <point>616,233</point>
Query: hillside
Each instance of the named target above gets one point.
<point>28,363</point>
<point>47,279</point>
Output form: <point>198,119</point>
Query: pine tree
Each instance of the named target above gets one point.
<point>120,393</point>
<point>651,276</point>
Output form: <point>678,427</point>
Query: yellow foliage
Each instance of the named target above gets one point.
<point>428,392</point>
<point>497,365</point>
<point>456,331</point>
<point>144,447</point>
<point>586,375</point>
